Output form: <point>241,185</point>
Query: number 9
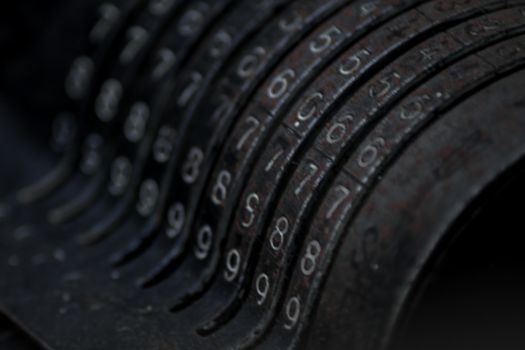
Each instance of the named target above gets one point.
<point>262,285</point>
<point>204,242</point>
<point>233,265</point>
<point>293,311</point>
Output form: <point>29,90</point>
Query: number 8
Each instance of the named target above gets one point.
<point>309,261</point>
<point>278,233</point>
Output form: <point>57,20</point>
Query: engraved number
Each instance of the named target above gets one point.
<point>279,232</point>
<point>280,84</point>
<point>262,286</point>
<point>293,312</point>
<point>252,201</point>
<point>220,189</point>
<point>164,144</point>
<point>233,265</point>
<point>148,196</point>
<point>204,242</point>
<point>325,40</point>
<point>191,167</point>
<point>309,260</point>
<point>176,219</point>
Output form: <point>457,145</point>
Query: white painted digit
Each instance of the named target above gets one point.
<point>220,190</point>
<point>385,86</point>
<point>293,312</point>
<point>176,219</point>
<point>253,124</point>
<point>368,8</point>
<point>109,14</point>
<point>191,167</point>
<point>223,109</point>
<point>148,196</point>
<point>291,25</point>
<point>412,110</point>
<point>120,175</point>
<point>92,154</point>
<point>338,130</point>
<point>309,107</point>
<point>233,265</point>
<point>192,20</point>
<point>165,60</point>
<point>137,121</point>
<point>191,88</point>
<point>164,144</point>
<point>280,84</point>
<point>352,64</point>
<point>79,77</point>
<point>137,38</point>
<point>274,160</point>
<point>312,171</point>
<point>249,64</point>
<point>262,287</point>
<point>370,153</point>
<point>309,260</point>
<point>343,194</point>
<point>107,103</point>
<point>252,201</point>
<point>204,242</point>
<point>279,233</point>
<point>221,43</point>
<point>160,7</point>
<point>325,40</point>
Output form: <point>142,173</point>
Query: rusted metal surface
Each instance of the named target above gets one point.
<point>258,174</point>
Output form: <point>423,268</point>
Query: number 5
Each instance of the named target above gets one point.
<point>324,40</point>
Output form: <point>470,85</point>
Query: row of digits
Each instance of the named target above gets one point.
<point>216,150</point>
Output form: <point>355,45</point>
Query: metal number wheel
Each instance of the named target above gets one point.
<point>270,174</point>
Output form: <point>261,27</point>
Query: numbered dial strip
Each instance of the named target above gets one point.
<point>348,191</point>
<point>214,53</point>
<point>256,120</point>
<point>106,28</point>
<point>289,138</point>
<point>249,228</point>
<point>107,117</point>
<point>139,40</point>
<point>258,197</point>
<point>283,235</point>
<point>238,82</point>
<point>132,51</point>
<point>102,103</point>
<point>151,166</point>
<point>94,134</point>
<point>150,205</point>
<point>179,38</point>
<point>204,231</point>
